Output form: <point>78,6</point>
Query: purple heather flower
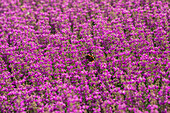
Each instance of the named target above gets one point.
<point>42,49</point>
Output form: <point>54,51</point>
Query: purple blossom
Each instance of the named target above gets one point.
<point>43,45</point>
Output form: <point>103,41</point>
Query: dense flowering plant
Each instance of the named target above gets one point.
<point>43,48</point>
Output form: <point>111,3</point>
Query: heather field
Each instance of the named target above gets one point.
<point>44,66</point>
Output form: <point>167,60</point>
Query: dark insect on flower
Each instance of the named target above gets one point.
<point>90,58</point>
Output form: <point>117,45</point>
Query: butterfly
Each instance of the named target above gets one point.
<point>90,58</point>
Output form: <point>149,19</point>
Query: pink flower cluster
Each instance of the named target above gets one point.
<point>43,44</point>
